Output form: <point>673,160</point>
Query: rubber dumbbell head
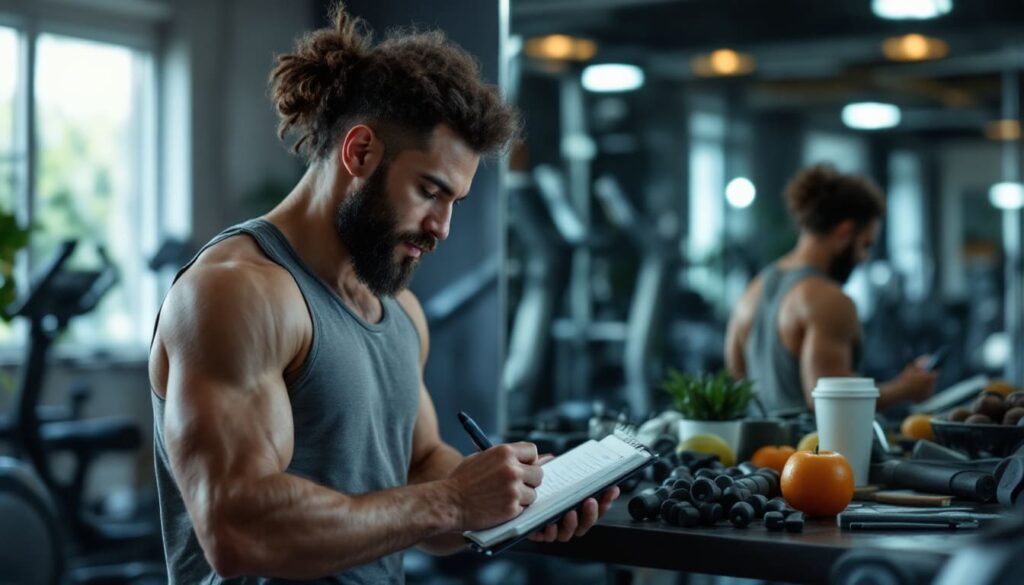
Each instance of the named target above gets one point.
<point>741,514</point>
<point>710,513</point>
<point>724,481</point>
<point>705,490</point>
<point>795,522</point>
<point>644,506</point>
<point>775,521</point>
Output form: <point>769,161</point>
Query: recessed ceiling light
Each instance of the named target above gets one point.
<point>910,9</point>
<point>870,115</point>
<point>1002,130</point>
<point>1007,196</point>
<point>740,192</point>
<point>611,77</point>
<point>914,47</point>
<point>723,63</point>
<point>560,48</point>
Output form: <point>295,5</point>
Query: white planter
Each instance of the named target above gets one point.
<point>728,430</point>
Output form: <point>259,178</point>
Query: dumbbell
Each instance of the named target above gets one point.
<point>724,481</point>
<point>681,495</point>
<point>775,521</point>
<point>705,490</point>
<point>659,470</point>
<point>795,522</point>
<point>666,508</point>
<point>730,496</point>
<point>741,514</point>
<point>683,514</point>
<point>705,472</point>
<point>778,505</point>
<point>759,503</point>
<point>645,506</point>
<point>710,513</point>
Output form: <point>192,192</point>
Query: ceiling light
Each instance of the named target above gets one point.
<point>1007,196</point>
<point>1002,130</point>
<point>723,63</point>
<point>610,77</point>
<point>740,192</point>
<point>871,115</point>
<point>914,47</point>
<point>910,9</point>
<point>560,48</point>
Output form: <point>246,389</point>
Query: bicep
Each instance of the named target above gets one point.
<point>227,414</point>
<point>735,337</point>
<point>827,349</point>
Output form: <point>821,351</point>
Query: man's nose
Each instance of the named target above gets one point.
<point>438,221</point>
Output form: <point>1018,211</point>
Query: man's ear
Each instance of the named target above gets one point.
<point>844,232</point>
<point>360,151</point>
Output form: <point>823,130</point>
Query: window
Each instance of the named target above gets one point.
<point>93,157</point>
<point>11,157</point>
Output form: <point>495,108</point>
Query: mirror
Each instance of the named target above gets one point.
<point>660,136</point>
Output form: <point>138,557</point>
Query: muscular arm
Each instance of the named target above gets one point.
<point>831,329</point>
<point>432,458</point>
<point>228,433</point>
<point>739,328</point>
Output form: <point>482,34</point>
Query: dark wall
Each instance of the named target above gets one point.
<point>463,371</point>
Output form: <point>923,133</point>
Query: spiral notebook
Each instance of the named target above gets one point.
<point>578,474</point>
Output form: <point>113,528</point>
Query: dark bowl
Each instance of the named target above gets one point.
<point>979,440</point>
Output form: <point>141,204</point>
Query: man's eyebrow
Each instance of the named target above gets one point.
<point>441,184</point>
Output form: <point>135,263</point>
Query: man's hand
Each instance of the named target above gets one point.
<point>573,523</point>
<point>916,383</point>
<point>495,485</point>
<point>577,524</point>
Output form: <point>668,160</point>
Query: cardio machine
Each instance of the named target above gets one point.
<point>37,433</point>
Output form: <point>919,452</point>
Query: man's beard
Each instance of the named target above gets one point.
<point>367,225</point>
<point>842,265</point>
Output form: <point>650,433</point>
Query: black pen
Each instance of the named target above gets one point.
<point>478,436</point>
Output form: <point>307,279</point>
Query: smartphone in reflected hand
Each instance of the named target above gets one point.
<point>937,358</point>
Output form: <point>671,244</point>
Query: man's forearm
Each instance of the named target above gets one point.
<point>438,465</point>
<point>889,393</point>
<point>285,526</point>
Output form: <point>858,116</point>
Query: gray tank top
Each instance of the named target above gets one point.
<point>354,404</point>
<point>774,371</point>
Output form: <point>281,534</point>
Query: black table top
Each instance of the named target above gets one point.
<point>751,552</point>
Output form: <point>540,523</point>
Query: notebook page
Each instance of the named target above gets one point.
<point>566,480</point>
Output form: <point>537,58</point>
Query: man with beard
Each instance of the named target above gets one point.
<point>294,438</point>
<point>794,324</point>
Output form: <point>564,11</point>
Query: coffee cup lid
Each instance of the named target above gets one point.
<point>851,387</point>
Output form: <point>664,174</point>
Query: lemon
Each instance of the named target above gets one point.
<point>809,442</point>
<point>711,444</point>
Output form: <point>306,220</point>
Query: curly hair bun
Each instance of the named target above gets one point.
<point>820,197</point>
<point>319,68</point>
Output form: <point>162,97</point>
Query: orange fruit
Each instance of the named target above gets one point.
<point>918,426</point>
<point>817,483</point>
<point>1000,387</point>
<point>772,456</point>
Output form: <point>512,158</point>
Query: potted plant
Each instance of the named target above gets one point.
<point>709,403</point>
<point>12,238</point>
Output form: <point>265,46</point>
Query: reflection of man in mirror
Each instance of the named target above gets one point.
<point>295,438</point>
<point>794,324</point>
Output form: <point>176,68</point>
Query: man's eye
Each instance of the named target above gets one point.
<point>426,193</point>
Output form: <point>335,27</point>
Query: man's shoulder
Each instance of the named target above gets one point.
<point>822,296</point>
<point>234,280</point>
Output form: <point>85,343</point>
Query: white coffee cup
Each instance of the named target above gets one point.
<point>844,409</point>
